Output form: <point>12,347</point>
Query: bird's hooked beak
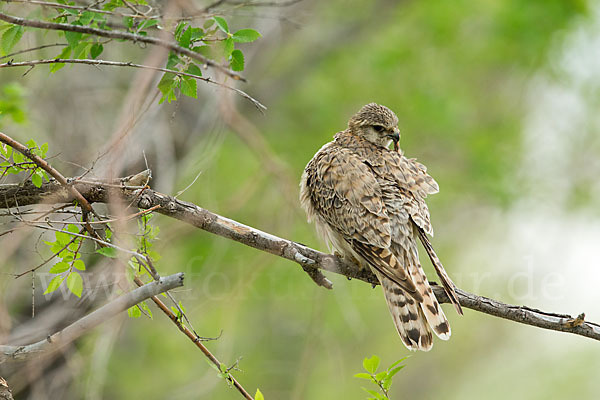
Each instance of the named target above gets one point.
<point>395,136</point>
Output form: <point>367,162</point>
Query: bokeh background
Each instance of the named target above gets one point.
<point>500,101</point>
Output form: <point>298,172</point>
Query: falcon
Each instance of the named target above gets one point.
<point>368,203</point>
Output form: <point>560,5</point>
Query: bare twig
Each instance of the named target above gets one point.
<point>95,62</point>
<point>197,341</point>
<point>45,46</point>
<point>90,321</point>
<point>120,35</point>
<point>299,253</point>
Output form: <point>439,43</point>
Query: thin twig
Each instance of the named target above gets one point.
<point>106,221</point>
<point>196,340</point>
<point>33,49</point>
<point>120,35</point>
<point>95,62</point>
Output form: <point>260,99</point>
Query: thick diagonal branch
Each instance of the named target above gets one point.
<point>13,195</point>
<point>90,321</point>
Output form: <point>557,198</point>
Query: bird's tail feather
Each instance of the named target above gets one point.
<point>408,317</point>
<point>447,283</point>
<point>430,306</point>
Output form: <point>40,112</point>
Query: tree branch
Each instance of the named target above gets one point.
<point>95,62</point>
<point>90,321</point>
<point>132,37</point>
<point>309,259</point>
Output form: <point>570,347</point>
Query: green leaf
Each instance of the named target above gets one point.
<point>134,312</point>
<point>108,252</point>
<point>65,53</point>
<point>237,60</point>
<point>181,306</point>
<point>395,370</point>
<point>62,238</point>
<point>44,148</point>
<point>222,24</point>
<point>167,86</point>
<point>176,312</point>
<point>194,70</point>
<point>59,267</point>
<point>185,39</point>
<point>72,228</point>
<point>81,50</point>
<point>74,246</point>
<point>381,375</point>
<point>147,24</point>
<point>54,284</point>
<point>146,308</point>
<point>363,375</point>
<point>188,87</point>
<point>258,395</point>
<point>113,5</point>
<point>228,46</point>
<point>73,38</point>
<point>79,264</point>
<point>371,364</point>
<point>208,23</point>
<point>172,61</point>
<point>246,36</point>
<point>18,157</point>
<point>179,29</point>
<point>75,283</point>
<point>36,180</point>
<point>386,382</point>
<point>86,17</point>
<point>197,33</point>
<point>11,37</point>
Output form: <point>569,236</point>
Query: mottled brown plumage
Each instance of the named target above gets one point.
<point>368,203</point>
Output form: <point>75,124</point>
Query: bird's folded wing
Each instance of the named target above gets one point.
<point>348,197</point>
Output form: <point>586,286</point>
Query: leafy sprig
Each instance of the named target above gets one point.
<point>13,162</point>
<point>382,379</point>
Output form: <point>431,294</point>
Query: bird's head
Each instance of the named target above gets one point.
<point>377,124</point>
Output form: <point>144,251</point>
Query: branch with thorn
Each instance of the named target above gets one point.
<point>312,261</point>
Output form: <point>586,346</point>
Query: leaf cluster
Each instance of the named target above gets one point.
<point>14,162</point>
<point>67,248</point>
<point>214,41</point>
<point>382,379</point>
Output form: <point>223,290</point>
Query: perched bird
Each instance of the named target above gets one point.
<point>368,203</point>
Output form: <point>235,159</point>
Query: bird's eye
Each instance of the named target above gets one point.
<point>378,128</point>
